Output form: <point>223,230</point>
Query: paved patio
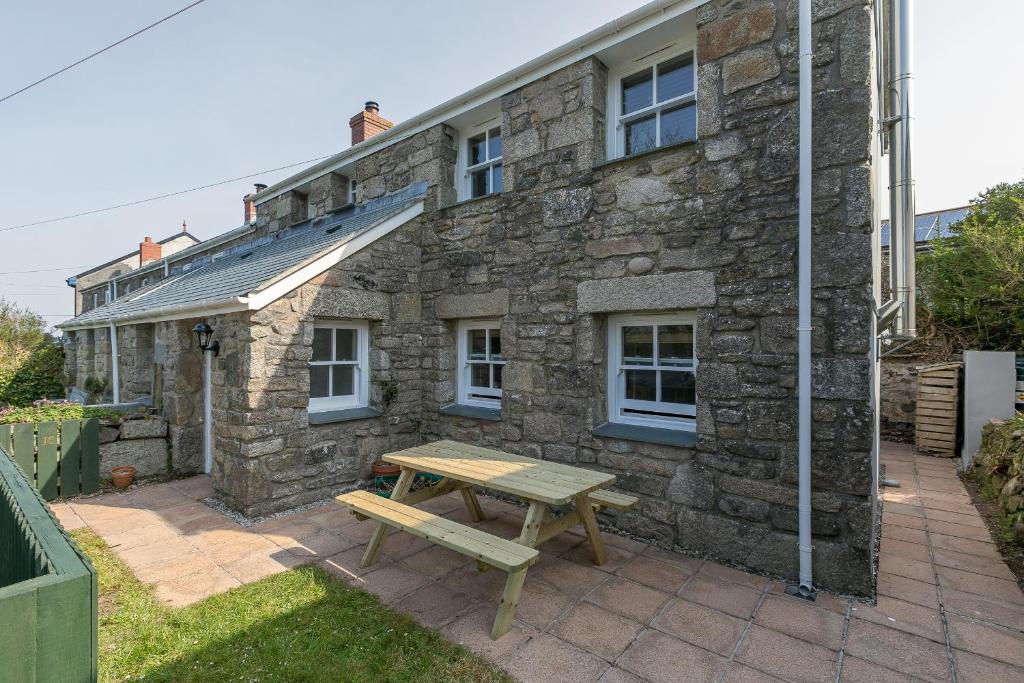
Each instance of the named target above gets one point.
<point>947,604</point>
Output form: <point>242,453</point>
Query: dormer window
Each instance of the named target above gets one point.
<point>655,106</point>
<point>484,171</point>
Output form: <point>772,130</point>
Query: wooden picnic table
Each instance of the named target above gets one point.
<point>461,467</point>
<point>538,482</point>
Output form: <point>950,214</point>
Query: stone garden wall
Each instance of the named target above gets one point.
<point>136,440</point>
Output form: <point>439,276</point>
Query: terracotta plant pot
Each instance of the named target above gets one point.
<point>384,469</point>
<point>123,476</point>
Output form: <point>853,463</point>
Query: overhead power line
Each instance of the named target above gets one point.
<point>162,196</point>
<point>40,270</point>
<point>99,52</point>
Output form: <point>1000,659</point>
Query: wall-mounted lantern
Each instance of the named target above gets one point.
<point>204,334</point>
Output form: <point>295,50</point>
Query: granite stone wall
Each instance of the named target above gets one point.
<point>709,228</point>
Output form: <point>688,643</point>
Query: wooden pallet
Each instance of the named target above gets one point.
<point>938,399</point>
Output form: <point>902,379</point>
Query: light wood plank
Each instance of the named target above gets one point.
<point>401,489</point>
<point>509,602</point>
<point>593,532</point>
<point>476,513</point>
<point>612,499</point>
<point>480,545</point>
<point>554,527</point>
<point>531,527</point>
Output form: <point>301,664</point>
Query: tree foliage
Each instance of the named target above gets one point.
<point>31,361</point>
<point>973,281</point>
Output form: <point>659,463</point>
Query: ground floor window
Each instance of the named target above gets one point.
<point>338,369</point>
<point>652,363</point>
<point>480,363</point>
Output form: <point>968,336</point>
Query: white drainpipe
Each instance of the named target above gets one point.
<point>806,586</point>
<point>114,371</point>
<point>207,412</point>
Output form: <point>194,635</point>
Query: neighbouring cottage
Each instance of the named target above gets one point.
<point>590,259</point>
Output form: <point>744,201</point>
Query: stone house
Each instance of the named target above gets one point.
<point>96,286</point>
<point>590,259</point>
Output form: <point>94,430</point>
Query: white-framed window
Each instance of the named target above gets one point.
<point>652,104</point>
<point>352,187</point>
<point>480,363</point>
<point>339,375</point>
<point>480,159</point>
<point>652,364</point>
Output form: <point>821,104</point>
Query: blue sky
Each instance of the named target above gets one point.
<point>229,88</point>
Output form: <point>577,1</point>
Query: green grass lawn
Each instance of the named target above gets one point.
<point>300,625</point>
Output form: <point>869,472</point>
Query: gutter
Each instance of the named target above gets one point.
<point>173,312</point>
<point>538,67</point>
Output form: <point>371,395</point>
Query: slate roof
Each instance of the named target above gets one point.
<point>928,226</point>
<point>248,267</point>
<point>165,240</point>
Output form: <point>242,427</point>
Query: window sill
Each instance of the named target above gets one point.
<point>324,417</point>
<point>491,414</point>
<point>666,437</point>
<point>469,200</point>
<point>633,157</point>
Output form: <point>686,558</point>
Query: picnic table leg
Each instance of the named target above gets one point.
<point>402,487</point>
<point>509,601</point>
<point>586,512</point>
<point>531,527</point>
<point>473,504</point>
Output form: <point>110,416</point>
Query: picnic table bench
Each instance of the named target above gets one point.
<point>462,466</point>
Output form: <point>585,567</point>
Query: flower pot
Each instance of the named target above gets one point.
<point>384,469</point>
<point>123,476</point>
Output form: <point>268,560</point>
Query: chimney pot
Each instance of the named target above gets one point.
<point>368,123</point>
<point>259,187</point>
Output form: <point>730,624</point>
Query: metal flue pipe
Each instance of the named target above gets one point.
<point>899,110</point>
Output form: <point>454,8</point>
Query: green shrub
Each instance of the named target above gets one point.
<point>31,361</point>
<point>50,411</point>
<point>973,281</point>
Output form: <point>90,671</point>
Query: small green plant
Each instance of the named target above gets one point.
<point>388,391</point>
<point>95,388</point>
<point>50,411</point>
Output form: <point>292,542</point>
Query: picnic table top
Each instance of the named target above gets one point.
<point>529,478</point>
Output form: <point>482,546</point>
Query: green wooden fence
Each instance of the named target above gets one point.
<point>47,590</point>
<point>60,459</point>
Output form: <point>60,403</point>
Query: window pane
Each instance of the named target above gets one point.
<point>497,376</point>
<point>343,383</point>
<point>678,387</point>
<point>675,345</point>
<point>322,344</point>
<point>637,91</point>
<point>640,135</point>
<point>499,178</point>
<point>495,336</point>
<point>477,344</point>
<point>494,144</point>
<point>346,346</point>
<point>480,375</point>
<point>478,183</point>
<point>679,125</point>
<point>318,381</point>
<point>638,345</point>
<point>477,150</point>
<point>641,385</point>
<point>675,77</point>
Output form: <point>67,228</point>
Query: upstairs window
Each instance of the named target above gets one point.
<point>352,187</point>
<point>480,363</point>
<point>338,368</point>
<point>654,106</point>
<point>484,172</point>
<point>652,364</point>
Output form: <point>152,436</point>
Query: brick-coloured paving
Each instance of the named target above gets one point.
<point>948,607</point>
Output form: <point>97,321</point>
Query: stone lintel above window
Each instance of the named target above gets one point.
<point>487,305</point>
<point>676,291</point>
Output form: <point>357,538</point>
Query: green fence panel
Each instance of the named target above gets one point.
<point>6,434</point>
<point>25,449</point>
<point>47,451</point>
<point>70,457</point>
<point>48,590</point>
<point>90,441</point>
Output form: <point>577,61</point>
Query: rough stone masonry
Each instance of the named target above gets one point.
<point>706,227</point>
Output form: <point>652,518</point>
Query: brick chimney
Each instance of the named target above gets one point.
<point>368,123</point>
<point>149,251</point>
<point>249,201</point>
